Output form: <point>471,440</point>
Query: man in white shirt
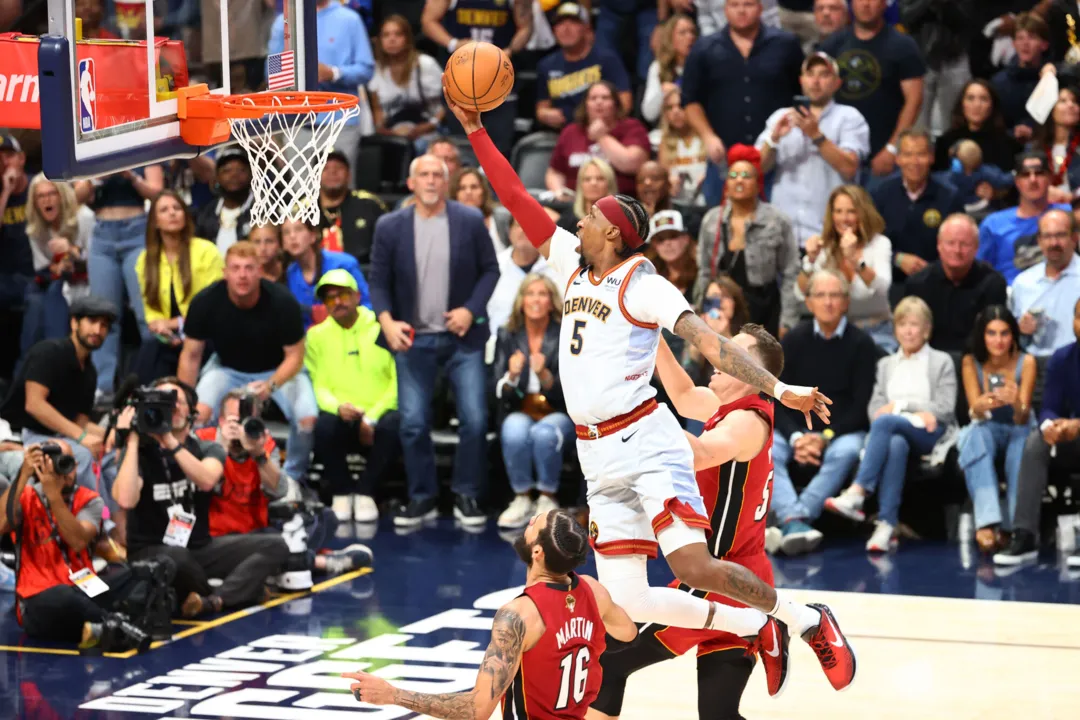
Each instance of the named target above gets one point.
<point>1043,296</point>
<point>814,148</point>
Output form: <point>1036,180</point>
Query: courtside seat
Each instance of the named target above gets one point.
<point>531,158</point>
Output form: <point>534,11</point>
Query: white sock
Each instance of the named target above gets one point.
<point>744,622</point>
<point>798,617</point>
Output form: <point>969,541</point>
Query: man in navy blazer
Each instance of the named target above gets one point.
<point>433,269</point>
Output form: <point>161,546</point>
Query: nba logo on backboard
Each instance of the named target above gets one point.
<point>87,95</point>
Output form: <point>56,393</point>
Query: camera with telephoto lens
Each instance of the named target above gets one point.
<point>253,425</point>
<point>153,410</point>
<point>62,462</point>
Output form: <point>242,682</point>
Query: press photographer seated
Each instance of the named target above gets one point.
<point>55,523</point>
<point>253,479</point>
<point>166,482</point>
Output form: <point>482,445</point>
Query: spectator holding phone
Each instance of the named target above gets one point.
<point>999,380</point>
<point>172,270</point>
<point>59,232</point>
<point>815,146</point>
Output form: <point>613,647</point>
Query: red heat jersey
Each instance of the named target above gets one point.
<point>560,676</point>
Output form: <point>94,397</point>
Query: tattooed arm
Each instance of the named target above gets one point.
<point>516,628</point>
<point>730,358</point>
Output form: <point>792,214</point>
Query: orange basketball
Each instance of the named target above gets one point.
<point>479,76</point>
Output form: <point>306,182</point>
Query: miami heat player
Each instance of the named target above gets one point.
<point>543,661</point>
<point>636,461</point>
<point>733,458</point>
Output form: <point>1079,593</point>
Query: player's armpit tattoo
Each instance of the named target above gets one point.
<point>450,706</point>
<point>504,651</point>
<point>723,354</point>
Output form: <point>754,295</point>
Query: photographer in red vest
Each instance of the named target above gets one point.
<point>253,479</point>
<point>252,475</point>
<point>54,523</point>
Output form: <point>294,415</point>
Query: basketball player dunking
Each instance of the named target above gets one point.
<point>543,661</point>
<point>733,458</point>
<point>637,462</point>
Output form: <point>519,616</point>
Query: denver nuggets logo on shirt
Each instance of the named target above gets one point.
<point>931,218</point>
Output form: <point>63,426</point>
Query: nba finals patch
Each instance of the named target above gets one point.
<point>570,602</point>
<point>594,531</point>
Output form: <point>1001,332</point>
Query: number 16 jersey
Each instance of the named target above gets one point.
<point>560,676</point>
<point>610,331</point>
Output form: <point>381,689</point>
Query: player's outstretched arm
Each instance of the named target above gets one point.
<point>739,436</point>
<point>728,357</point>
<point>497,671</point>
<point>616,620</point>
<point>531,216</point>
<point>690,401</point>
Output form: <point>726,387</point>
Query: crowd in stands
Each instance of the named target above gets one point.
<point>863,179</point>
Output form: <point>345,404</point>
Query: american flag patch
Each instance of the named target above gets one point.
<point>280,71</point>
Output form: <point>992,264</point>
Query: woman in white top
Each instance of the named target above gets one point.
<point>681,152</point>
<point>469,187</point>
<point>677,36</point>
<point>406,90</point>
<point>913,403</point>
<point>59,231</point>
<point>851,242</point>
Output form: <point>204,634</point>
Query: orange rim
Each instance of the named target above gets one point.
<point>285,103</point>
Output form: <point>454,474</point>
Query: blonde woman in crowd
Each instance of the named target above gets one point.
<point>913,404</point>
<point>852,242</point>
<point>595,179</point>
<point>469,187</point>
<point>676,37</point>
<point>536,431</point>
<point>681,152</point>
<point>172,270</point>
<point>59,230</point>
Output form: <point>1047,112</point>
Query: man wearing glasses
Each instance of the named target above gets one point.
<point>1043,296</point>
<point>355,384</point>
<point>1008,238</point>
<point>838,358</point>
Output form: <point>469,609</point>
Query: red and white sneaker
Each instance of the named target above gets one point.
<point>772,647</point>
<point>833,651</point>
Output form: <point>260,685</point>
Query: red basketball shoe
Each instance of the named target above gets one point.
<point>833,651</point>
<point>772,647</point>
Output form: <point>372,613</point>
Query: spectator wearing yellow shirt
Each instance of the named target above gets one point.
<point>172,269</point>
<point>355,384</point>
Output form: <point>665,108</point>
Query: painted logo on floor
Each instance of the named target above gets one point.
<point>298,677</point>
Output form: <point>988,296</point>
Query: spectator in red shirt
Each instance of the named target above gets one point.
<point>600,129</point>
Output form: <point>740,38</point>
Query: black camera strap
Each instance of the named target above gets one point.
<point>54,534</point>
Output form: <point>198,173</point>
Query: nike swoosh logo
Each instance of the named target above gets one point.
<point>775,643</point>
<point>630,435</point>
<point>836,633</point>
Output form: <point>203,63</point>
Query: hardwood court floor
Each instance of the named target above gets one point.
<point>918,657</point>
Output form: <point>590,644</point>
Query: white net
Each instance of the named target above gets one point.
<point>287,152</point>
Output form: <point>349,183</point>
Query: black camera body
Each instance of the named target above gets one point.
<point>253,425</point>
<point>62,462</point>
<point>153,410</point>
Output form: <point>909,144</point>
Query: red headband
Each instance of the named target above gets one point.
<point>614,213</point>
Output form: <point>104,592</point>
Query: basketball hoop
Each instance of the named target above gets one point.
<point>286,166</point>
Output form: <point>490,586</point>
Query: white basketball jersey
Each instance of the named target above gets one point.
<point>606,358</point>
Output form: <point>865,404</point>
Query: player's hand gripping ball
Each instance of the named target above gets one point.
<point>478,76</point>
